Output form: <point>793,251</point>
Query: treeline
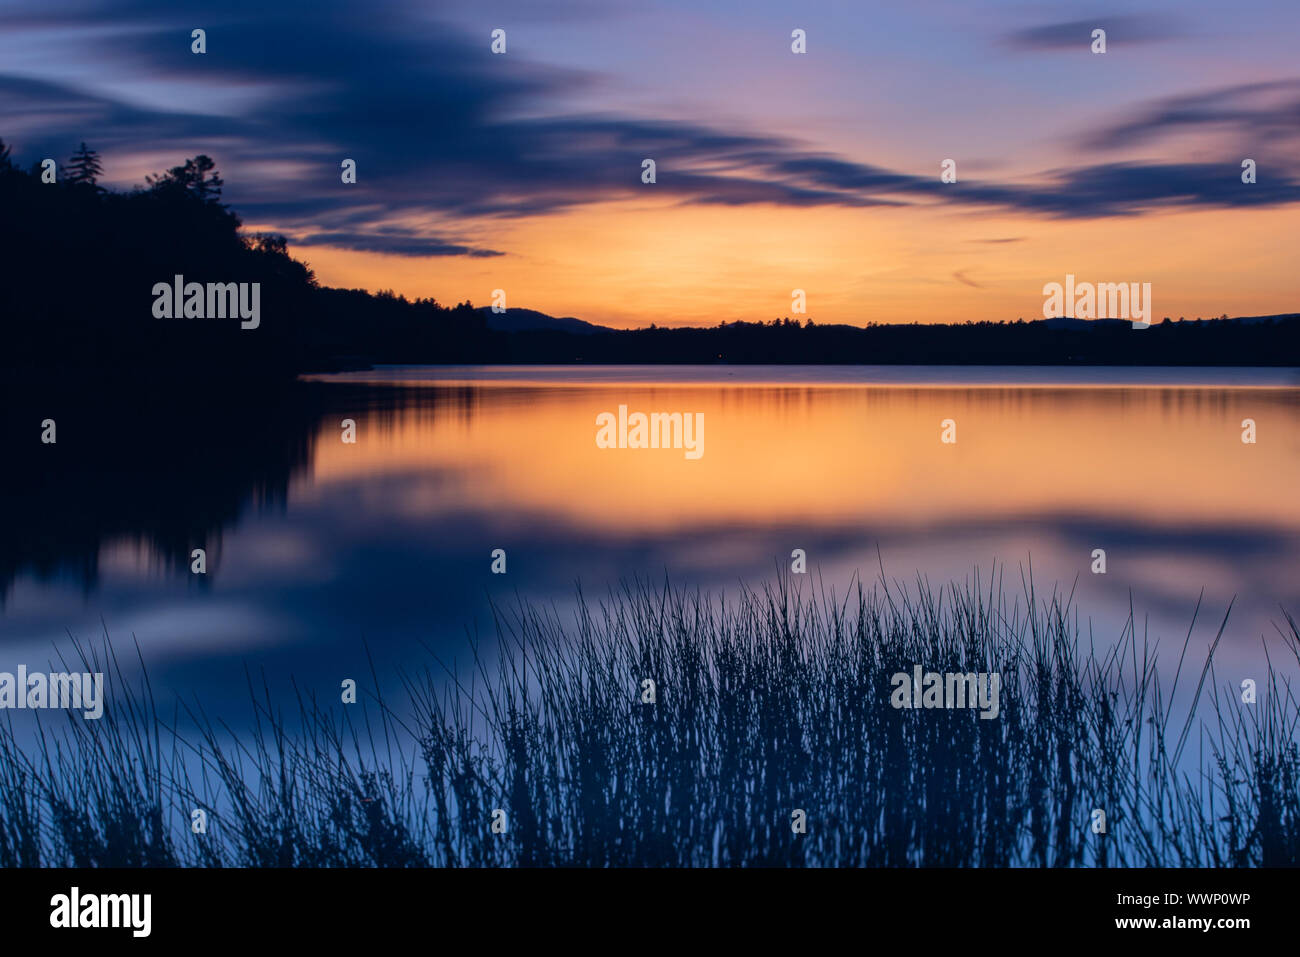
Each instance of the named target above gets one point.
<point>81,263</point>
<point>1218,342</point>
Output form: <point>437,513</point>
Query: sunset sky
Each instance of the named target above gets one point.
<point>776,171</point>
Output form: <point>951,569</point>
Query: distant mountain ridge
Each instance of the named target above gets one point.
<point>1066,323</point>
<point>1279,317</point>
<point>529,320</point>
<point>1246,341</point>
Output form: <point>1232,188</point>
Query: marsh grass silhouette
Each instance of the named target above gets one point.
<point>774,701</point>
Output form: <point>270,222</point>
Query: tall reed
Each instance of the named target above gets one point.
<point>775,702</point>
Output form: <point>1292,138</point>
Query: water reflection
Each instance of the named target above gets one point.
<point>316,546</point>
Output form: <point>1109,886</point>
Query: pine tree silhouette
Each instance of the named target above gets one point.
<point>84,167</point>
<point>206,187</point>
<point>198,177</point>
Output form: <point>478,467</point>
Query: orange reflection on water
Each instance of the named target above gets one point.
<point>792,453</point>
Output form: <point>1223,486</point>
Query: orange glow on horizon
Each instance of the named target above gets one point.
<point>628,264</point>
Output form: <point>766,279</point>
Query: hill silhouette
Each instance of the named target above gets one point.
<point>530,320</point>
<point>83,263</point>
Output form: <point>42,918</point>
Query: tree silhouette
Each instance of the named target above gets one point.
<point>206,187</point>
<point>198,177</point>
<point>84,167</point>
<point>6,162</point>
<point>303,326</point>
<point>126,243</point>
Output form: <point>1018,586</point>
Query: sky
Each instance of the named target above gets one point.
<point>775,171</point>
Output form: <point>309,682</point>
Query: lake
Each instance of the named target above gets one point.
<point>318,549</point>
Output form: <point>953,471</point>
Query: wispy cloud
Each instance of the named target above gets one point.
<point>388,241</point>
<point>1257,112</point>
<point>1077,34</point>
<point>444,133</point>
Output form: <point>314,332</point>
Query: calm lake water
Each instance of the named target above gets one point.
<point>387,542</point>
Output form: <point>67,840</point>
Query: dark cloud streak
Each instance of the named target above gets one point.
<point>1077,34</point>
<point>442,129</point>
<point>1259,113</point>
